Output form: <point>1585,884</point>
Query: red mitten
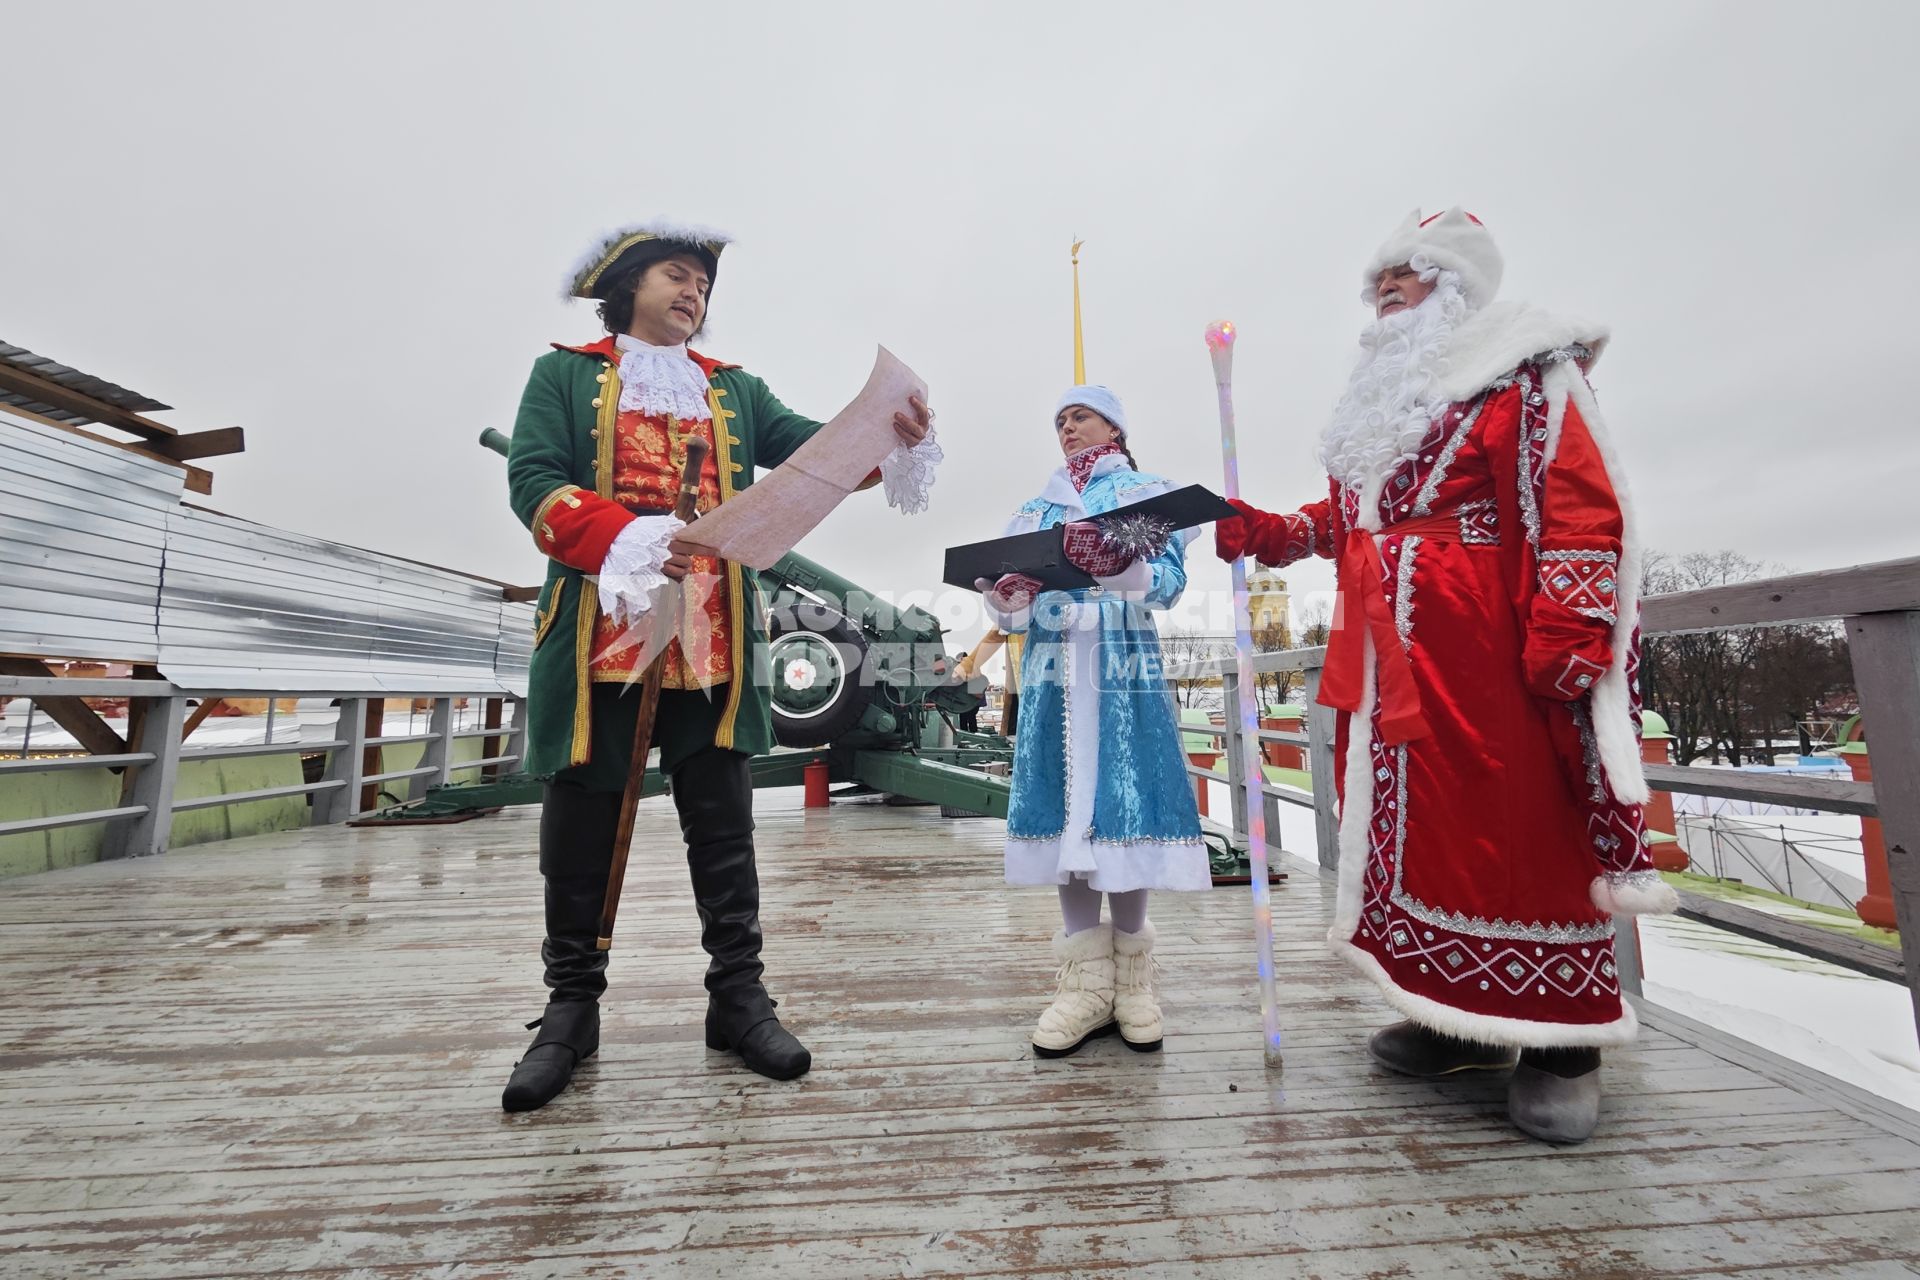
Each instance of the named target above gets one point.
<point>1011,593</point>
<point>1087,550</point>
<point>1230,536</point>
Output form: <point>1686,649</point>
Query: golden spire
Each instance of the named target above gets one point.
<point>1079,344</point>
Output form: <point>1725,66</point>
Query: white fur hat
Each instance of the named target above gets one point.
<point>1455,241</point>
<point>1097,398</point>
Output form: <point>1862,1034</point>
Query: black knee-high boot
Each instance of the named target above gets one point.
<point>576,849</point>
<point>713,791</point>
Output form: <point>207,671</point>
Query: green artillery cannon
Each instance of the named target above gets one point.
<point>858,682</point>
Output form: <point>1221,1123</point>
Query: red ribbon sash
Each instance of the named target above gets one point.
<point>1362,577</point>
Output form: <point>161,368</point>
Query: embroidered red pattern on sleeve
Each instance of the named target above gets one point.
<point>1585,581</point>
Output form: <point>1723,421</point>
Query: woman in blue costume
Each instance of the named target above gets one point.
<point>1101,801</point>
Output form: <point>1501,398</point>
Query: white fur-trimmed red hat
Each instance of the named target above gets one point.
<point>1454,241</point>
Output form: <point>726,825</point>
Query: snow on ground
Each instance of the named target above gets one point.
<point>1846,1024</point>
<point>1850,1026</point>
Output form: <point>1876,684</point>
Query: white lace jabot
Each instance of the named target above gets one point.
<point>662,380</point>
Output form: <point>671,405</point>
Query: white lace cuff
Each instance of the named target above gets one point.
<point>908,474</point>
<point>631,572</point>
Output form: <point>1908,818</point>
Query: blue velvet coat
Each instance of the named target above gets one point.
<point>1100,789</point>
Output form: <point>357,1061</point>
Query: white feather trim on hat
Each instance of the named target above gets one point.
<point>1097,398</point>
<point>659,228</point>
<point>1454,241</point>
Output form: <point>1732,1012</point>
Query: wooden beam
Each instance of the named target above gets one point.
<point>69,712</point>
<point>1885,649</point>
<point>1834,947</point>
<point>1830,795</point>
<point>206,708</point>
<point>198,480</point>
<point>204,444</point>
<point>46,391</point>
<point>1888,586</point>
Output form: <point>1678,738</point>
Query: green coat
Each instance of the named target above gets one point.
<point>560,482</point>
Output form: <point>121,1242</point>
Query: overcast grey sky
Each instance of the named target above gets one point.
<point>343,227</point>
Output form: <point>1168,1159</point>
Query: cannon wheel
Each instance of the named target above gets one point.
<point>817,658</point>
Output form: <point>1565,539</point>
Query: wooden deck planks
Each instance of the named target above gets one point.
<point>284,1055</point>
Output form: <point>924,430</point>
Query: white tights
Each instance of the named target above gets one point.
<point>1080,908</point>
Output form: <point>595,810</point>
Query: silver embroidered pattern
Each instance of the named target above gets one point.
<point>1472,532</point>
<point>1559,355</point>
<point>1403,592</point>
<point>1633,879</point>
<point>1066,741</point>
<point>1605,557</point>
<point>1589,752</point>
<point>1529,500</point>
<point>1423,504</point>
<point>1301,522</point>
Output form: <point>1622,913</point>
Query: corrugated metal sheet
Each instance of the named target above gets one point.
<point>515,649</point>
<point>244,606</point>
<point>74,380</point>
<point>99,559</point>
<point>82,532</point>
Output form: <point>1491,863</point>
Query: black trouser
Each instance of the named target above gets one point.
<point>713,791</point>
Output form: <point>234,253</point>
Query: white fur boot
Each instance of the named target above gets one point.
<point>1134,1006</point>
<point>1083,1006</point>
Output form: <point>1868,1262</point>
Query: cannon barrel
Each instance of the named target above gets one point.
<point>496,441</point>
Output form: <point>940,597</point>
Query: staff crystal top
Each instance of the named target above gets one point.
<point>1220,334</point>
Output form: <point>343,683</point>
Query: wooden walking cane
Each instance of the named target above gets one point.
<point>643,720</point>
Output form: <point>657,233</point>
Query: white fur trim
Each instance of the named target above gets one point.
<point>1483,1028</point>
<point>1610,699</point>
<point>1492,342</point>
<point>1089,944</point>
<point>908,474</point>
<point>659,228</point>
<point>1134,944</point>
<point>1100,399</point>
<point>1454,242</point>
<point>1641,893</point>
<point>1356,808</point>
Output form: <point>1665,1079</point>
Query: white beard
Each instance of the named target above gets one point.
<point>1394,392</point>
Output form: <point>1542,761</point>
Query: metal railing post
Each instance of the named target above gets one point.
<point>345,764</point>
<point>1885,648</point>
<point>439,752</point>
<point>517,734</point>
<point>151,784</point>
<point>1626,954</point>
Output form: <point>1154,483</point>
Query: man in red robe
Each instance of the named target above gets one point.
<point>1484,662</point>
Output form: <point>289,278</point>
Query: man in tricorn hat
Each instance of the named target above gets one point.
<point>1484,660</point>
<point>594,472</point>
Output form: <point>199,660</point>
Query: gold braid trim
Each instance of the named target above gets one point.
<point>582,685</point>
<point>606,422</point>
<point>539,521</point>
<point>736,587</point>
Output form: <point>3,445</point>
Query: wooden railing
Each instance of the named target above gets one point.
<point>142,823</point>
<point>1879,606</point>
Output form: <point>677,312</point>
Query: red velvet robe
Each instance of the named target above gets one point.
<point>1473,855</point>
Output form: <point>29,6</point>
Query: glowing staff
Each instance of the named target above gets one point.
<point>1220,337</point>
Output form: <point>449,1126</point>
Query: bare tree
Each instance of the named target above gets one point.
<point>1186,648</point>
<point>1722,692</point>
<point>1315,624</point>
<point>1274,686</point>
